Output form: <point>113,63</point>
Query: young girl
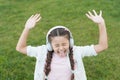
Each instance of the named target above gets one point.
<point>60,59</point>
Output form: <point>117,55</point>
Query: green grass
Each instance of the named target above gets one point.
<point>70,13</point>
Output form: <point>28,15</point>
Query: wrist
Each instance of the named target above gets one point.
<point>27,29</point>
<point>101,23</point>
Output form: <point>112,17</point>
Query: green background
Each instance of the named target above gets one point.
<point>69,13</point>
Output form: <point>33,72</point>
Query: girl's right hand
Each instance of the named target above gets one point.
<point>31,22</point>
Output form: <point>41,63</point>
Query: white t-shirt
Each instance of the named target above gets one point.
<point>79,52</point>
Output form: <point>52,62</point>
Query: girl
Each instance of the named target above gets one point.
<point>60,59</point>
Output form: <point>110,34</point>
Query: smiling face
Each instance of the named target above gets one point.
<point>59,40</point>
<point>60,45</point>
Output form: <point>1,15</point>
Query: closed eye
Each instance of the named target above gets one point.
<point>64,44</point>
<point>56,45</point>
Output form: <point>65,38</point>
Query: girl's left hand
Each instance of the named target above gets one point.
<point>95,17</point>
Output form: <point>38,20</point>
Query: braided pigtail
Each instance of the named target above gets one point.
<point>72,63</point>
<point>48,63</point>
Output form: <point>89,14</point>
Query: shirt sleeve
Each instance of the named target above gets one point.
<point>85,51</point>
<point>32,51</point>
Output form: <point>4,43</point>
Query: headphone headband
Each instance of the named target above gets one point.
<point>56,28</point>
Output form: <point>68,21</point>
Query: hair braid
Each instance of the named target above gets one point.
<point>72,63</point>
<point>48,63</point>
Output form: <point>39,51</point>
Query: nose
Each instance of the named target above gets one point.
<point>61,48</point>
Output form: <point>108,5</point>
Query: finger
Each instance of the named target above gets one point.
<point>38,19</point>
<point>88,16</point>
<point>100,13</point>
<point>31,16</point>
<point>36,16</point>
<point>94,12</point>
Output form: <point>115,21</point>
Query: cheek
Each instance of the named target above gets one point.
<point>54,48</point>
<point>67,46</point>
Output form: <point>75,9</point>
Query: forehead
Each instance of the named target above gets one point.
<point>59,39</point>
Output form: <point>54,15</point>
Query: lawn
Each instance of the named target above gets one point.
<point>70,13</point>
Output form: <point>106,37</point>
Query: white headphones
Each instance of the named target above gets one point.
<point>48,44</point>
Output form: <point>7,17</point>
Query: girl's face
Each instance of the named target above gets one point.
<point>60,45</point>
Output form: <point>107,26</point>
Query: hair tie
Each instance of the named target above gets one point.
<point>46,77</point>
<point>72,71</point>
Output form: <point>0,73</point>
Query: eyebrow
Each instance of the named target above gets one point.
<point>62,44</point>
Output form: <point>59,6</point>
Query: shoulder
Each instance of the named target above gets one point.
<point>87,50</point>
<point>41,49</point>
<point>83,47</point>
<point>75,48</point>
<point>35,51</point>
<point>37,47</point>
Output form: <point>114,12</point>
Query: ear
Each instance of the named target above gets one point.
<point>49,47</point>
<point>71,42</point>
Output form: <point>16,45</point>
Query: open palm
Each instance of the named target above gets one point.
<point>31,22</point>
<point>95,17</point>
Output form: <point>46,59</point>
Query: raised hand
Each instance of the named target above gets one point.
<point>95,17</point>
<point>31,22</point>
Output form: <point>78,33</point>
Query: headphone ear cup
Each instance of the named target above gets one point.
<point>49,47</point>
<point>71,42</point>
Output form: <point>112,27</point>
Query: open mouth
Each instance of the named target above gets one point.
<point>62,53</point>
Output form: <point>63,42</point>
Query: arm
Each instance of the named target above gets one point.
<point>103,43</point>
<point>31,22</point>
